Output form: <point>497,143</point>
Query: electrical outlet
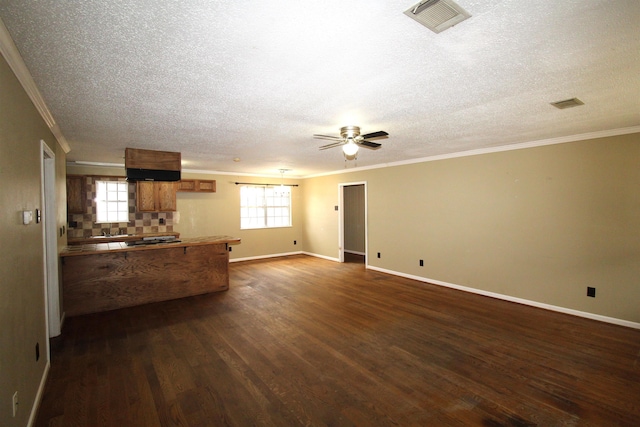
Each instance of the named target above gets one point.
<point>230,248</point>
<point>378,254</point>
<point>591,292</point>
<point>15,403</point>
<point>295,242</point>
<point>421,263</point>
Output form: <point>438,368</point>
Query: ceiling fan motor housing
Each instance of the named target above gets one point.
<point>350,132</point>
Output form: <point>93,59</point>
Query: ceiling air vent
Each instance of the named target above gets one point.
<point>567,103</point>
<point>437,15</point>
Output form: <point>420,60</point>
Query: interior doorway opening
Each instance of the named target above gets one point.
<point>353,222</point>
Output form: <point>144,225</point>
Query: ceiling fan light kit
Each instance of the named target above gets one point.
<point>351,140</point>
<point>350,148</point>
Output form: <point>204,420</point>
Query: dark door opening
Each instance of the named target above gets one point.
<point>354,232</point>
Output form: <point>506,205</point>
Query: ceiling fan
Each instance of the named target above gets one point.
<point>350,140</point>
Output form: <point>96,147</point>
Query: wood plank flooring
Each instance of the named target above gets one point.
<point>301,341</point>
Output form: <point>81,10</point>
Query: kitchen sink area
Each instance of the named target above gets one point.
<point>153,241</point>
<point>142,238</point>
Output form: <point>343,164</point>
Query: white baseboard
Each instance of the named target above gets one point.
<point>265,256</point>
<point>322,256</point>
<point>39,394</point>
<point>354,252</point>
<point>283,255</point>
<point>509,298</point>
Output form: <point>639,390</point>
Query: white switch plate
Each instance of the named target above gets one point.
<point>27,217</point>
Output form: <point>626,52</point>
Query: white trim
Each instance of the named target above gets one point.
<point>49,237</point>
<point>328,258</point>
<point>284,255</point>
<point>488,150</point>
<point>257,175</point>
<point>16,63</point>
<point>265,256</point>
<point>39,394</point>
<point>355,252</point>
<point>97,164</point>
<point>592,316</point>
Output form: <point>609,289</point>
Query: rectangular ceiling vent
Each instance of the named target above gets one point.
<point>567,103</point>
<point>437,15</point>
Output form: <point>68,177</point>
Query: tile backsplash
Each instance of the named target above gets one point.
<point>84,225</point>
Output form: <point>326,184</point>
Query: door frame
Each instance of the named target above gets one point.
<point>341,220</point>
<point>50,241</point>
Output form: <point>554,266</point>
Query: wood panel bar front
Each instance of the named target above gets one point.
<point>109,280</point>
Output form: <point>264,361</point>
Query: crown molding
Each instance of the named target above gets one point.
<point>184,170</point>
<point>488,150</point>
<point>11,54</point>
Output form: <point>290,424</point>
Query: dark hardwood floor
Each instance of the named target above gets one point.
<point>305,341</point>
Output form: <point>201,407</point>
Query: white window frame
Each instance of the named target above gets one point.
<point>265,206</point>
<point>112,200</point>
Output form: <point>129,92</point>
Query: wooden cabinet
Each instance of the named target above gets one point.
<point>76,194</point>
<point>197,185</point>
<point>156,196</point>
<point>151,159</point>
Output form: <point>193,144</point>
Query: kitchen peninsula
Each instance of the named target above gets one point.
<point>106,276</point>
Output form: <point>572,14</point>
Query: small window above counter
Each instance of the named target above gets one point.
<point>197,185</point>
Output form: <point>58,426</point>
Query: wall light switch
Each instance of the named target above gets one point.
<point>27,217</point>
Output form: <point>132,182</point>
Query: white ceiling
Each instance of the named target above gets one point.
<point>218,80</point>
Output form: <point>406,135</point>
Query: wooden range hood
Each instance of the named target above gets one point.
<point>151,165</point>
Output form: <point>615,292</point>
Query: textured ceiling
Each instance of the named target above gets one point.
<point>218,80</point>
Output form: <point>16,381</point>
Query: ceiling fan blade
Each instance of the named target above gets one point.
<point>334,138</point>
<point>369,144</point>
<point>335,144</point>
<point>372,135</point>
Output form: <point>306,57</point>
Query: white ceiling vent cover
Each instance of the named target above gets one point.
<point>437,15</point>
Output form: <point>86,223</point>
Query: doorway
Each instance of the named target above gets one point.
<point>50,245</point>
<point>353,222</point>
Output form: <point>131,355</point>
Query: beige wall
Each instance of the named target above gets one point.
<point>219,213</point>
<point>206,214</point>
<point>22,303</point>
<point>540,224</point>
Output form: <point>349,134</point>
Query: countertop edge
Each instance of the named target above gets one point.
<point>112,247</point>
<point>75,241</point>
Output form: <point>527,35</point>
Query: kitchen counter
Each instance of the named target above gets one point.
<point>94,248</point>
<point>107,276</point>
<point>117,238</point>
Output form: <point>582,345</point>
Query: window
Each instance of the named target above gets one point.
<point>112,201</point>
<point>265,206</point>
